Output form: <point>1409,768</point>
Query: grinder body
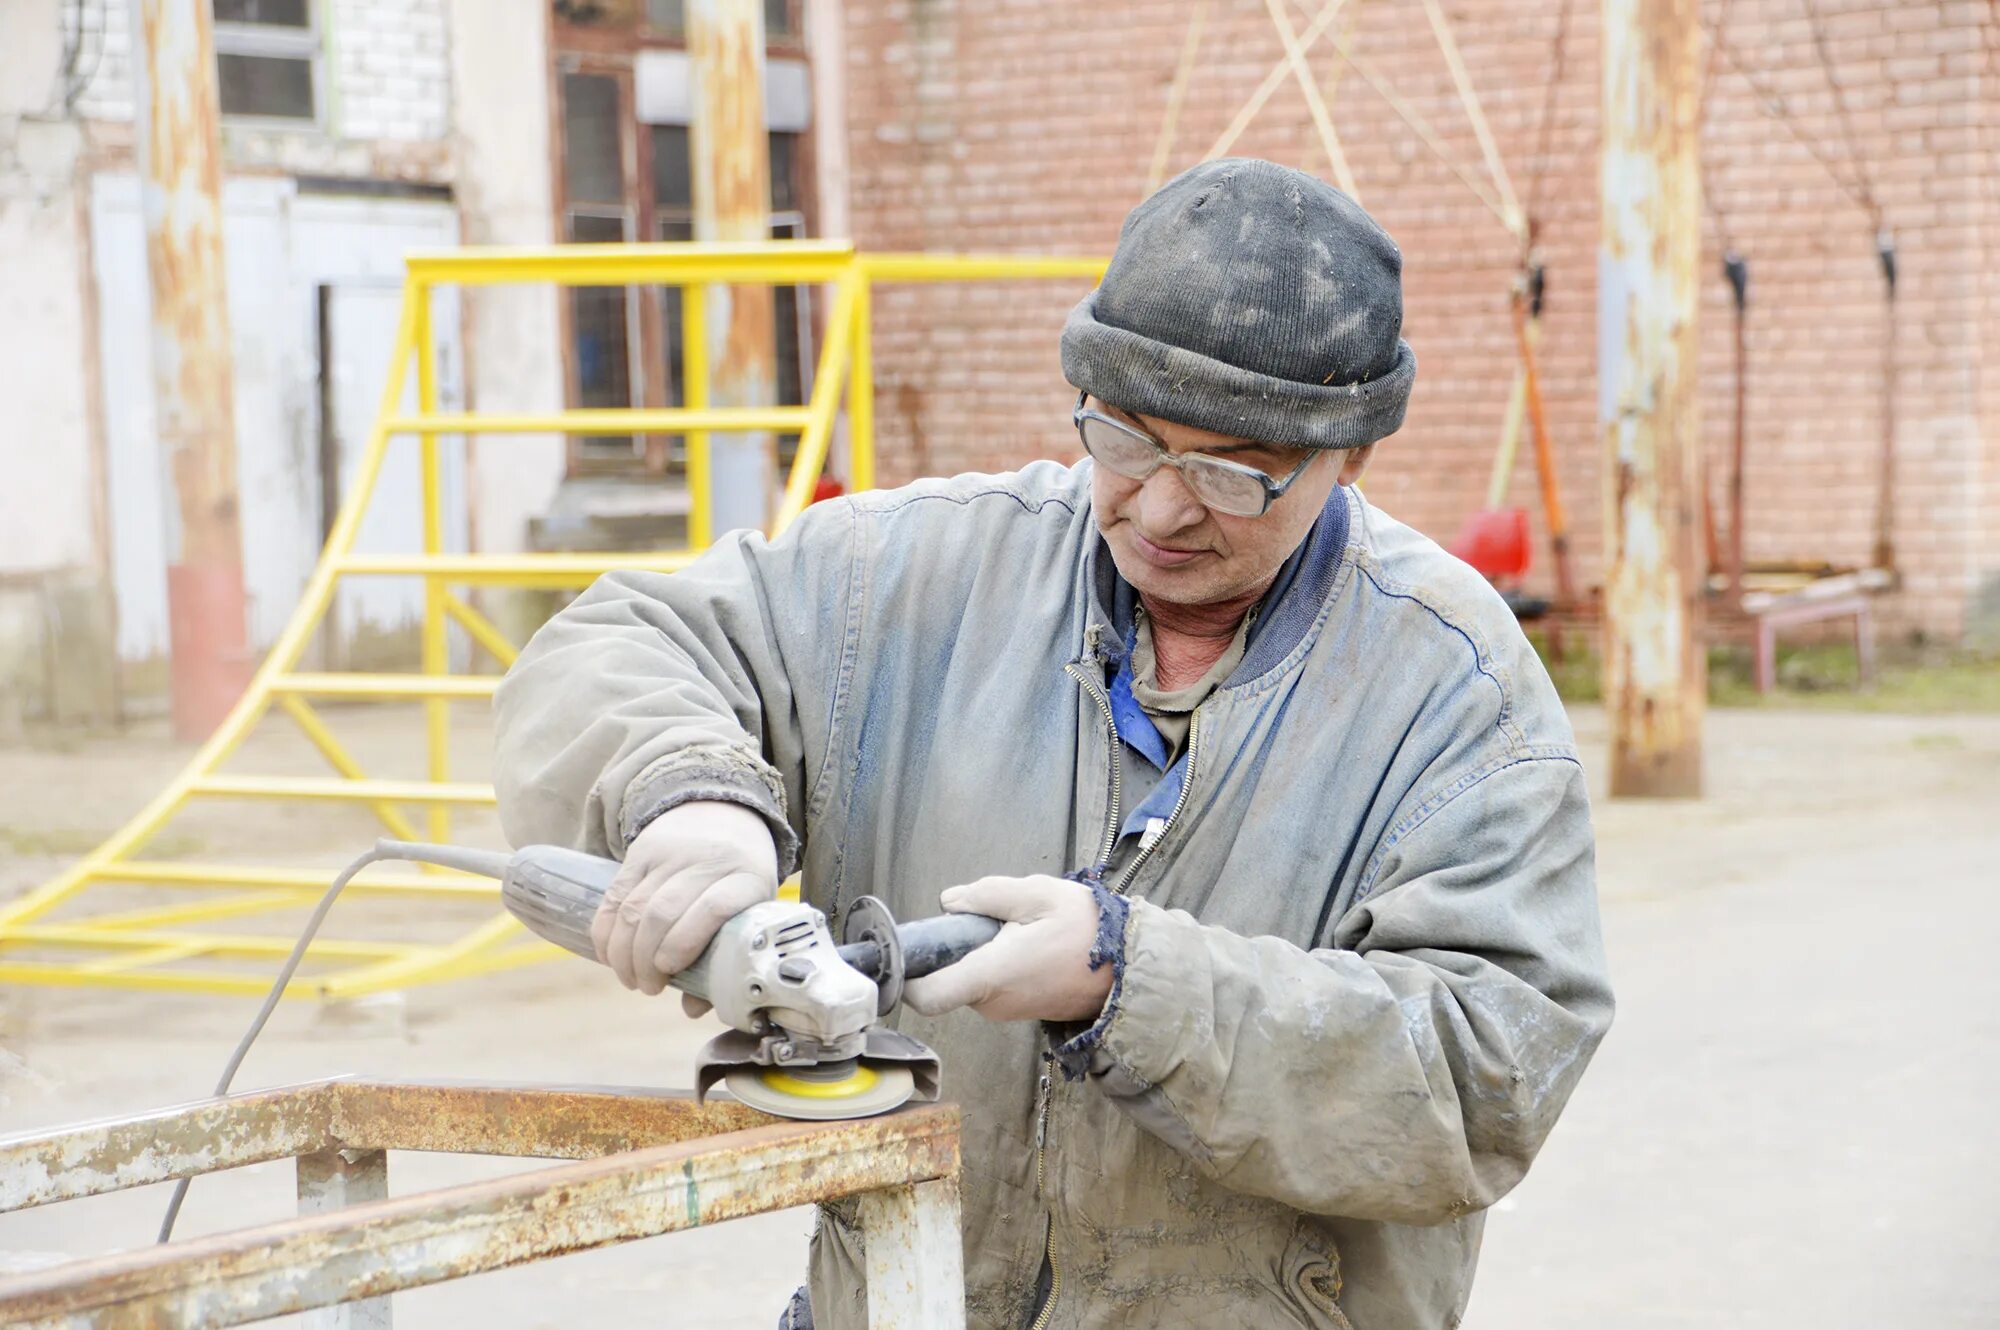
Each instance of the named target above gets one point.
<point>793,999</point>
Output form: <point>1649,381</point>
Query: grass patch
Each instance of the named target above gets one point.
<point>1826,677</point>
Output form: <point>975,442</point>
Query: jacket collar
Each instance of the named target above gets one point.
<point>1285,615</point>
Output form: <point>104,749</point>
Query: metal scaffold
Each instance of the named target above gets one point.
<point>175,947</point>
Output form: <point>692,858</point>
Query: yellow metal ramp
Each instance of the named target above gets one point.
<point>53,935</point>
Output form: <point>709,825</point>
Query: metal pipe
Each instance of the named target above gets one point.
<point>1655,673</point>
<point>1545,456</point>
<point>731,152</point>
<point>178,144</point>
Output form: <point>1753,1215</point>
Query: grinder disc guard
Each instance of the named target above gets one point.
<point>892,1069</point>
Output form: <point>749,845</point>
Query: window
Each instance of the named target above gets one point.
<point>600,317</point>
<point>266,59</point>
<point>669,18</point>
<point>778,19</point>
<point>625,173</point>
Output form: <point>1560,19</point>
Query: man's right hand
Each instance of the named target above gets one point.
<point>688,871</point>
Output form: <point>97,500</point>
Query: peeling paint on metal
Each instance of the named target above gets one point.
<point>1648,405</point>
<point>347,1255</point>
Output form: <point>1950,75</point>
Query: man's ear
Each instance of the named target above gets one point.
<point>1355,463</point>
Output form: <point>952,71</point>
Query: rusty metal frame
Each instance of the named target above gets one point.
<point>647,1163</point>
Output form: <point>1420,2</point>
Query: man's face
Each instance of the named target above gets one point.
<point>1173,548</point>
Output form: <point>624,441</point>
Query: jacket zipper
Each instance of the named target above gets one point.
<point>1044,1093</point>
<point>1180,801</point>
<point>1110,841</point>
<point>1044,1090</point>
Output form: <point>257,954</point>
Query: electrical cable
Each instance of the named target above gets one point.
<point>1558,66</point>
<point>1716,32</point>
<point>486,863</point>
<point>1773,106</point>
<point>1854,158</point>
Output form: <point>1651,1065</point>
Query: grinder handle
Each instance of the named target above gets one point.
<point>931,944</point>
<point>556,893</point>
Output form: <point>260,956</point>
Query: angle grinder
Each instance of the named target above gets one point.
<point>806,1038</point>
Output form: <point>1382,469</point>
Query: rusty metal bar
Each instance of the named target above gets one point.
<point>112,1154</point>
<point>731,153</point>
<point>378,1247</point>
<point>1655,673</point>
<point>568,1122</point>
<point>178,144</point>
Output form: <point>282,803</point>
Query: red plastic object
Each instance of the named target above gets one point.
<point>1497,543</point>
<point>827,488</point>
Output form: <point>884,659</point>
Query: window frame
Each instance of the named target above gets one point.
<point>270,41</point>
<point>612,51</point>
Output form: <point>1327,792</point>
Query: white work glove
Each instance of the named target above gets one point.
<point>687,873</point>
<point>1037,969</point>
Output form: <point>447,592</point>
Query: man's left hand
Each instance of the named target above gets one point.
<point>1037,969</point>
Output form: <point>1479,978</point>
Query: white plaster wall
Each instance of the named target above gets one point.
<point>391,73</point>
<point>505,191</point>
<point>384,66</point>
<point>47,503</point>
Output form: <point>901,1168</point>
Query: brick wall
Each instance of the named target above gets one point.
<point>1031,124</point>
<point>383,67</point>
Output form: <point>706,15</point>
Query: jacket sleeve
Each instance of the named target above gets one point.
<point>651,690</point>
<point>1411,1074</point>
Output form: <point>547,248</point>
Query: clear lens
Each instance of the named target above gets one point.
<point>1119,450</point>
<point>1223,488</point>
<point>1216,483</point>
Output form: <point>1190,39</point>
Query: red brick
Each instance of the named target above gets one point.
<point>1030,126</point>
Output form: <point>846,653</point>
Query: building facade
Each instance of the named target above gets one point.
<point>355,130</point>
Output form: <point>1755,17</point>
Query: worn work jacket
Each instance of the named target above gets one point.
<point>1362,969</point>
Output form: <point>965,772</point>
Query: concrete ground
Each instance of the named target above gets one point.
<point>1790,1124</point>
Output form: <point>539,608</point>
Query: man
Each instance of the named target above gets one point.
<point>1285,817</point>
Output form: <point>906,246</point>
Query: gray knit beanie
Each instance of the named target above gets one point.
<point>1253,300</point>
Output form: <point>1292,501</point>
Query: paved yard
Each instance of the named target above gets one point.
<point>1791,1123</point>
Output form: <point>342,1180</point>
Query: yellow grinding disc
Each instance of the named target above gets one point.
<point>860,1091</point>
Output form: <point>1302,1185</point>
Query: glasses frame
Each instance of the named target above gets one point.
<point>1274,490</point>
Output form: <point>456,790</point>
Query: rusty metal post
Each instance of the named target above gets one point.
<point>332,1180</point>
<point>179,148</point>
<point>1655,672</point>
<point>916,1262</point>
<point>731,151</point>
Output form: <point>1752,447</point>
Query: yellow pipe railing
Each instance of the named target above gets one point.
<point>144,943</point>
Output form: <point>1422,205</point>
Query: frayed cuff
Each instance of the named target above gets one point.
<point>1078,1053</point>
<point>737,774</point>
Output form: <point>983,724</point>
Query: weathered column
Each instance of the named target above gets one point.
<point>179,147</point>
<point>1655,673</point>
<point>731,153</point>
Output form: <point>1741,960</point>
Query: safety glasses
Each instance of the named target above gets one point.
<point>1227,487</point>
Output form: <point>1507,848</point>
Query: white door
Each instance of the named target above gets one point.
<point>282,249</point>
